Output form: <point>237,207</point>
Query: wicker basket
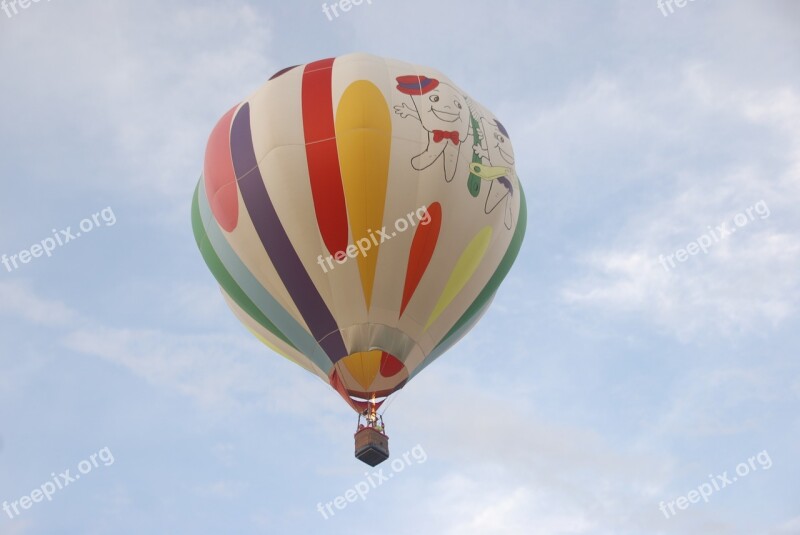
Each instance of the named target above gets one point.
<point>372,446</point>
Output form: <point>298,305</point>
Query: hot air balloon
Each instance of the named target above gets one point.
<point>359,214</point>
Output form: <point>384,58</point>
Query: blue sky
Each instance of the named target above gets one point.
<point>599,385</point>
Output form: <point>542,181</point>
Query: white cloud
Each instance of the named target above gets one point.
<point>20,302</point>
<point>18,526</point>
<point>515,466</point>
<point>747,281</point>
<point>470,506</point>
<point>198,302</point>
<point>221,372</point>
<point>790,527</point>
<point>720,402</point>
<point>148,81</point>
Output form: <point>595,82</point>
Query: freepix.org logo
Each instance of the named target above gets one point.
<point>663,5</point>
<point>58,482</point>
<point>721,232</point>
<point>342,6</point>
<point>9,7</point>
<point>60,238</point>
<point>372,481</point>
<point>375,237</point>
<point>719,482</point>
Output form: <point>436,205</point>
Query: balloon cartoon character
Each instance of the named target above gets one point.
<point>443,112</point>
<point>496,151</point>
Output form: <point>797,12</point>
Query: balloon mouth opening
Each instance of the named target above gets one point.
<point>360,399</point>
<point>375,399</point>
<point>376,372</point>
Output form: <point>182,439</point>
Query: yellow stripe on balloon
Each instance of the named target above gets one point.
<point>364,366</point>
<point>364,139</point>
<point>467,263</point>
<point>272,346</point>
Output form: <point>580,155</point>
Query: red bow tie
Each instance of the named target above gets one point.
<point>440,135</point>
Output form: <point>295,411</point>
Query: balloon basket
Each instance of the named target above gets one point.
<point>372,446</point>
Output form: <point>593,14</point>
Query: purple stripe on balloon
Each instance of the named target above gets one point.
<point>276,242</point>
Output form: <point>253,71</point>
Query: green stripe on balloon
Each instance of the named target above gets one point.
<point>474,181</point>
<point>499,274</point>
<point>223,277</point>
<point>450,341</point>
<point>255,290</point>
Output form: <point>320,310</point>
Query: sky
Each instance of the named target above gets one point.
<point>636,374</point>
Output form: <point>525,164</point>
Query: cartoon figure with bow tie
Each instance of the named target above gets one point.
<point>443,112</point>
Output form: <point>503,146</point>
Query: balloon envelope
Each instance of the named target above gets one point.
<point>359,214</point>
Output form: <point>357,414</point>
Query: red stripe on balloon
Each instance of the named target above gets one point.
<point>390,365</point>
<point>425,239</point>
<point>219,172</point>
<point>322,154</point>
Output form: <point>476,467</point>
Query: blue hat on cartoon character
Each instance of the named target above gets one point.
<point>501,128</point>
<point>416,85</point>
